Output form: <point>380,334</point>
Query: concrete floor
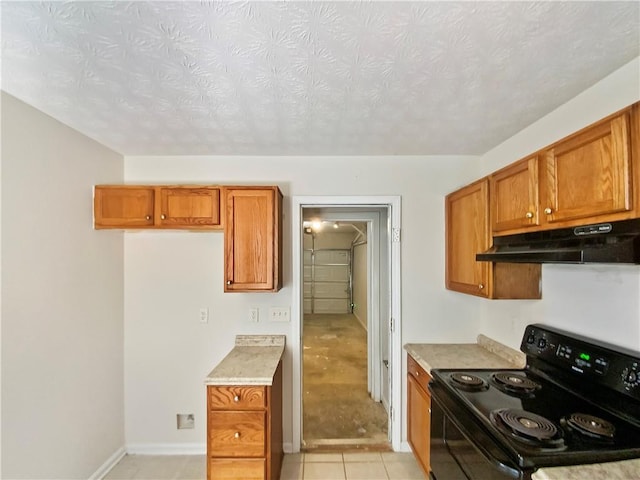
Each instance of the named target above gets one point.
<point>337,408</point>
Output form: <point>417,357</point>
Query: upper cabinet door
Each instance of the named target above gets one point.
<point>122,207</point>
<point>189,207</point>
<point>467,233</point>
<point>252,238</point>
<point>589,174</point>
<point>514,196</point>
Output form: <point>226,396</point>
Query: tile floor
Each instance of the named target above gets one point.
<point>301,466</point>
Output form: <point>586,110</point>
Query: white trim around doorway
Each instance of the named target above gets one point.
<point>395,394</point>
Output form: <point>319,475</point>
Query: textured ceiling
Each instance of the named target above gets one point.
<point>308,78</point>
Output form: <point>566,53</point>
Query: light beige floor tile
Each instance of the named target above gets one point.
<point>293,458</point>
<point>125,469</point>
<point>161,467</point>
<point>292,471</point>
<point>194,469</point>
<point>404,471</point>
<point>324,471</point>
<point>322,457</point>
<point>398,457</point>
<point>365,471</point>
<point>362,457</point>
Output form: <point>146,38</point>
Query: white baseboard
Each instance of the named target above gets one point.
<point>405,447</point>
<point>167,449</point>
<point>106,467</point>
<point>287,447</point>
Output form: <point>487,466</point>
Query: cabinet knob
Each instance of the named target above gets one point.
<point>236,398</point>
<point>229,282</point>
<point>529,215</point>
<point>481,286</point>
<point>148,217</point>
<point>236,435</point>
<point>163,216</point>
<point>417,373</point>
<point>547,211</point>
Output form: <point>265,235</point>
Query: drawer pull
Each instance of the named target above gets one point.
<point>417,373</point>
<point>163,216</point>
<point>148,217</point>
<point>236,398</point>
<point>236,435</point>
<point>529,215</point>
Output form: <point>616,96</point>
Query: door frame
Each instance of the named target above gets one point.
<point>395,390</point>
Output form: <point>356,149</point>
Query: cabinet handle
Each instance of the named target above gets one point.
<point>417,373</point>
<point>163,216</point>
<point>236,435</point>
<point>547,211</point>
<point>148,217</point>
<point>236,398</point>
<point>229,282</point>
<point>529,215</point>
<point>481,286</point>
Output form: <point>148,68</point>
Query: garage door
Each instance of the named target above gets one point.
<point>327,281</point>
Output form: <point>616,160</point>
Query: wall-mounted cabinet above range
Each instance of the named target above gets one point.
<point>589,177</point>
<point>584,178</point>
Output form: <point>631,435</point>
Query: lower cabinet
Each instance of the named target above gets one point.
<point>419,413</point>
<point>244,425</point>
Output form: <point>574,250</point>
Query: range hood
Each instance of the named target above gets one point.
<point>613,242</point>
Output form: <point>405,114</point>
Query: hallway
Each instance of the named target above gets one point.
<point>337,408</point>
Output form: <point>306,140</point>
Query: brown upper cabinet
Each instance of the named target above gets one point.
<point>467,233</point>
<point>587,177</point>
<point>167,207</point>
<point>252,239</point>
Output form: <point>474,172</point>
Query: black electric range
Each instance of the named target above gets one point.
<point>577,401</point>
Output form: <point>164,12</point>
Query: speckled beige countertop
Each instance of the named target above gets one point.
<point>252,361</point>
<point>488,353</point>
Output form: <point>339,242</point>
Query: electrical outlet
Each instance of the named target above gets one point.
<point>279,314</point>
<point>204,315</point>
<point>253,314</point>
<point>186,420</point>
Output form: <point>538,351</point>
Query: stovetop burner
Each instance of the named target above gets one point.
<point>590,426</point>
<point>528,428</point>
<point>516,383</point>
<point>468,382</point>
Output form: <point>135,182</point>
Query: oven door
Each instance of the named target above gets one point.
<point>460,448</point>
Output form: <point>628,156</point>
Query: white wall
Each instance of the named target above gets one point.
<point>598,301</point>
<point>169,276</point>
<point>62,302</point>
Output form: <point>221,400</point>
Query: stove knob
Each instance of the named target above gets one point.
<point>531,338</point>
<point>631,377</point>
<point>542,343</point>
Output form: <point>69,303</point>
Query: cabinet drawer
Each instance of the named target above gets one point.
<point>237,398</point>
<point>237,434</point>
<point>419,373</point>
<point>245,468</point>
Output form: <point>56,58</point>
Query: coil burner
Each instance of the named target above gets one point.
<point>468,382</point>
<point>590,426</point>
<point>514,383</point>
<point>528,428</point>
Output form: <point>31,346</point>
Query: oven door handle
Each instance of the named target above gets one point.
<point>472,431</point>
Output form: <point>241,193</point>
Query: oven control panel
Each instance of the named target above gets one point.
<point>614,367</point>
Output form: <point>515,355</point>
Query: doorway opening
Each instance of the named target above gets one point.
<point>341,305</point>
<point>346,283</point>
